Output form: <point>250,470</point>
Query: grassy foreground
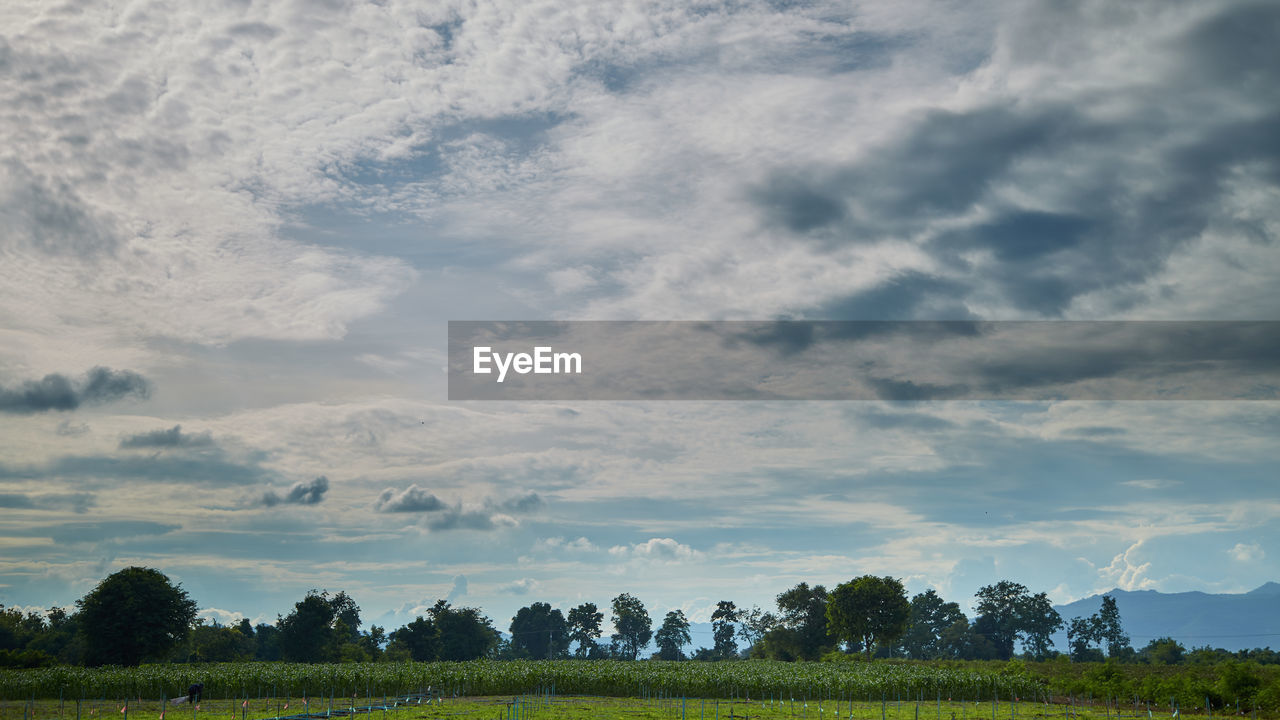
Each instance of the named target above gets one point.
<point>546,707</point>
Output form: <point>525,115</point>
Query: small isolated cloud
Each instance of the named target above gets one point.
<point>558,543</point>
<point>76,502</point>
<point>1246,553</point>
<point>1150,483</point>
<point>222,617</point>
<point>664,549</point>
<point>171,438</point>
<point>58,392</point>
<point>410,500</point>
<point>523,586</point>
<point>302,493</point>
<point>459,588</point>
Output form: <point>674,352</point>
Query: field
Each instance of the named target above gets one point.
<point>547,707</point>
<point>649,690</point>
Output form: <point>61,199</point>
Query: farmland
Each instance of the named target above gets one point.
<point>1001,690</point>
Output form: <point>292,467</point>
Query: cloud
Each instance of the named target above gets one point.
<point>659,549</point>
<point>222,617</point>
<point>302,493</point>
<point>523,586</point>
<point>171,438</point>
<point>411,499</point>
<point>441,516</point>
<point>76,502</point>
<point>458,590</point>
<point>1247,553</point>
<point>58,392</point>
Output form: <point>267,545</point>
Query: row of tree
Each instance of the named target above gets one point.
<point>138,615</point>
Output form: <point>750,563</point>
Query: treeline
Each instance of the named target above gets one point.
<point>137,615</point>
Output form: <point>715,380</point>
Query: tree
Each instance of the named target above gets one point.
<point>1082,633</point>
<point>538,631</point>
<point>930,617</point>
<point>869,610</point>
<point>999,609</point>
<point>801,631</point>
<point>673,635</point>
<point>1109,629</point>
<point>1164,651</point>
<point>754,625</point>
<point>723,629</point>
<point>420,640</point>
<point>1007,611</point>
<point>133,615</point>
<point>1038,622</point>
<point>633,626</point>
<point>465,633</point>
<point>306,634</point>
<point>584,628</point>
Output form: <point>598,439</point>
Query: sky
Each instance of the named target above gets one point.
<point>232,234</point>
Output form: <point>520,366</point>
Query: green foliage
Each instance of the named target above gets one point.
<point>1007,611</point>
<point>135,614</point>
<point>801,631</point>
<point>868,610</point>
<point>929,620</point>
<point>634,628</point>
<point>673,635</point>
<point>488,677</point>
<point>723,630</point>
<point>584,627</point>
<point>539,631</point>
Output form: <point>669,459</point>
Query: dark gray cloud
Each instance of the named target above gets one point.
<point>171,438</point>
<point>302,493</point>
<point>439,515</point>
<point>212,467</point>
<point>410,500</point>
<point>1144,182</point>
<point>97,532</point>
<point>58,392</point>
<point>48,215</point>
<point>76,502</point>
<point>519,504</point>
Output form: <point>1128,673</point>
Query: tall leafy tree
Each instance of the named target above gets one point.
<point>755,624</point>
<point>420,640</point>
<point>1109,628</point>
<point>868,610</point>
<point>930,617</point>
<point>723,629</point>
<point>801,633</point>
<point>999,614</point>
<point>306,633</point>
<point>633,627</point>
<point>584,627</point>
<point>539,631</point>
<point>135,614</point>
<point>1038,621</point>
<point>1082,633</point>
<point>465,633</point>
<point>673,635</point>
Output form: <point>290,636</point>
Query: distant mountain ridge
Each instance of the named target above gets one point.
<point>1234,621</point>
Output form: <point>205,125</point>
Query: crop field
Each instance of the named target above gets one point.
<point>570,690</point>
<point>555,707</point>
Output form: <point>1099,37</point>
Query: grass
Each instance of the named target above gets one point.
<point>545,707</point>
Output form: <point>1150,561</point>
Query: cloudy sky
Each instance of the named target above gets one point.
<point>232,233</point>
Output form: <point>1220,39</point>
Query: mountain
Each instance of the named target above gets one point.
<point>1233,621</point>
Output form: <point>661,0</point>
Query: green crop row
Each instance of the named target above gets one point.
<point>604,677</point>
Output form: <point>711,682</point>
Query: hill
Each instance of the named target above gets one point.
<point>1233,621</point>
